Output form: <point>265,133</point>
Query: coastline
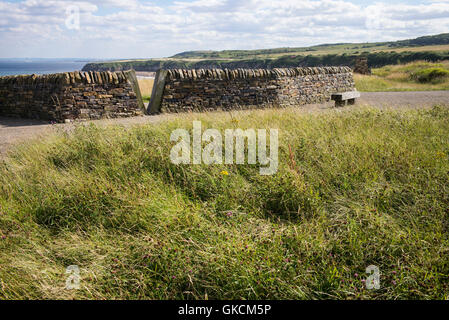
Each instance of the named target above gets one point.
<point>145,75</point>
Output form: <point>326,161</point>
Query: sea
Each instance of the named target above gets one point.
<point>40,66</point>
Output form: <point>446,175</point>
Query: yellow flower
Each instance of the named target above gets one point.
<point>441,154</point>
<point>225,173</point>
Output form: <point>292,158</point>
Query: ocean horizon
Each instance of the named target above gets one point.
<point>23,66</point>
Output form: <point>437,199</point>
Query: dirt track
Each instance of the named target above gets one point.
<point>16,130</point>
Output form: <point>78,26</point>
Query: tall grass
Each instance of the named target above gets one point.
<point>354,189</point>
<point>415,76</point>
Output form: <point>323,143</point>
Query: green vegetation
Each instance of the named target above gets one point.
<point>423,41</point>
<point>146,98</point>
<point>431,75</point>
<point>338,48</point>
<point>416,76</point>
<point>377,59</point>
<point>432,49</point>
<point>354,189</point>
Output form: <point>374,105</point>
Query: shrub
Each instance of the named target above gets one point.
<point>430,75</point>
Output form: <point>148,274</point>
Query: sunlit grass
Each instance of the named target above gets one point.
<point>402,78</point>
<point>354,189</point>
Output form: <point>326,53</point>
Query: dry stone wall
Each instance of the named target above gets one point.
<point>223,89</point>
<point>361,66</point>
<point>71,96</point>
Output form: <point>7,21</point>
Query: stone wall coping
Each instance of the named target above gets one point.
<point>67,78</point>
<point>228,74</point>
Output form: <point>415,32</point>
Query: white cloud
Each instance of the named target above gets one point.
<point>132,28</point>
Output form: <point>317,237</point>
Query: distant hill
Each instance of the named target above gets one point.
<point>441,39</point>
<point>430,48</point>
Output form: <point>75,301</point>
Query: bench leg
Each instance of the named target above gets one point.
<point>339,103</point>
<point>351,102</point>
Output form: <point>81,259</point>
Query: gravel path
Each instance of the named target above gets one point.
<point>412,99</point>
<point>16,130</point>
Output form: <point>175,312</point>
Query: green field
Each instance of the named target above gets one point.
<point>359,188</point>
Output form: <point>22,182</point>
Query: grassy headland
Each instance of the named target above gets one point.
<point>432,48</point>
<point>354,189</point>
<point>435,43</point>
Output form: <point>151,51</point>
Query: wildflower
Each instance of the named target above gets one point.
<point>229,214</point>
<point>393,282</point>
<point>356,275</point>
<point>394,272</point>
<point>441,154</point>
<point>224,173</point>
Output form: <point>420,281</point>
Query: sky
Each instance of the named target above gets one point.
<point>121,29</point>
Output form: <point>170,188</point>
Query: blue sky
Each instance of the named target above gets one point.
<point>157,28</point>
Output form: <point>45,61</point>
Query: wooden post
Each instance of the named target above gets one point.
<point>131,76</point>
<point>154,106</point>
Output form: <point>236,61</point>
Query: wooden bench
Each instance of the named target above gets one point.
<point>345,98</point>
